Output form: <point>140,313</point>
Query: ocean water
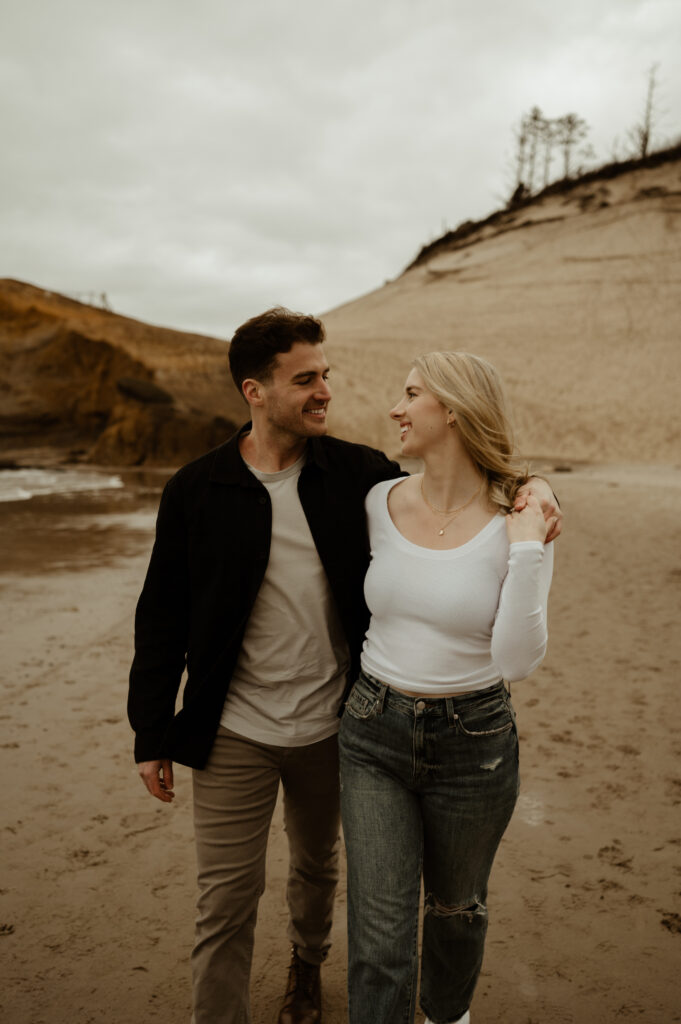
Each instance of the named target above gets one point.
<point>24,484</point>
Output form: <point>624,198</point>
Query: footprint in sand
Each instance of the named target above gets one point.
<point>673,790</point>
<point>614,856</point>
<point>671,921</point>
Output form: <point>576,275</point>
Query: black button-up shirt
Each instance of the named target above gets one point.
<point>209,558</point>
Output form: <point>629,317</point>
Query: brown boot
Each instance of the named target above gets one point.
<point>303,1000</point>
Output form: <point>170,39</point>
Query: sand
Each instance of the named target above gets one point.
<point>97,886</point>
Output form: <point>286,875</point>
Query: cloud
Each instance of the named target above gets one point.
<point>200,162</point>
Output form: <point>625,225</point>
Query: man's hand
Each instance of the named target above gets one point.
<point>541,490</point>
<point>529,524</point>
<point>157,776</point>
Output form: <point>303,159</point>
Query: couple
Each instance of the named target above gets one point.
<point>255,582</point>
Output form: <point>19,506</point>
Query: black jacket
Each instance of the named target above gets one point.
<point>209,558</point>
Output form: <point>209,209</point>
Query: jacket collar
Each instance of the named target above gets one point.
<point>229,467</point>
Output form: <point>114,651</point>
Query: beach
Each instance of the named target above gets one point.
<point>97,889</point>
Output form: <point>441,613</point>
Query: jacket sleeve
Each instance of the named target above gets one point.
<point>379,467</point>
<point>161,631</point>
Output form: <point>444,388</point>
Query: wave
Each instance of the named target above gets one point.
<point>23,484</point>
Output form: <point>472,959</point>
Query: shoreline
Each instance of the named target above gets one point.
<point>97,900</point>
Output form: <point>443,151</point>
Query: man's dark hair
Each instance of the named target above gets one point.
<point>257,343</point>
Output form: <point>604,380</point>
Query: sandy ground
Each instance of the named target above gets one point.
<point>97,884</point>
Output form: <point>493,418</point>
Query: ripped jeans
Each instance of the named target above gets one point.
<point>428,787</point>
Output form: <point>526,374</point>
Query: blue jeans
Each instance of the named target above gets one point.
<point>428,787</point>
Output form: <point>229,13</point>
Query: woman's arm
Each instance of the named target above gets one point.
<point>519,634</point>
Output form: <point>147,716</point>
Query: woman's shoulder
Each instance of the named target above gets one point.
<point>398,491</point>
<point>380,490</point>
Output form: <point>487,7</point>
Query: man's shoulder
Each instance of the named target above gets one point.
<point>203,466</point>
<point>350,451</point>
<point>357,465</point>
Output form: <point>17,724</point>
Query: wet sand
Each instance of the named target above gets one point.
<point>97,889</point>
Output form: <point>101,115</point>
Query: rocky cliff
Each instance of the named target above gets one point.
<point>81,383</point>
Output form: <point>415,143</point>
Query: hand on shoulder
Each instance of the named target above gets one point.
<point>527,523</point>
<point>540,489</point>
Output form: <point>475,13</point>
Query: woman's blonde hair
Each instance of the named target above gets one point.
<point>471,388</point>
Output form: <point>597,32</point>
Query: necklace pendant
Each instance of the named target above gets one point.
<point>441,533</point>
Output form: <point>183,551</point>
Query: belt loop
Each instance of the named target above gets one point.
<point>380,686</point>
<point>452,717</point>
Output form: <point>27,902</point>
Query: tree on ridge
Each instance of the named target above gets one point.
<point>641,133</point>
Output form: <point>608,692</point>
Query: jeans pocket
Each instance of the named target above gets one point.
<point>490,716</point>
<point>360,705</point>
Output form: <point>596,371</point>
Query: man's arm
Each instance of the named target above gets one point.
<point>161,623</point>
<point>541,490</point>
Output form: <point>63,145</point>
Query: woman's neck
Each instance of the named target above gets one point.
<point>450,480</point>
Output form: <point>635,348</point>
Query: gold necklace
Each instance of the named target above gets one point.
<point>451,512</point>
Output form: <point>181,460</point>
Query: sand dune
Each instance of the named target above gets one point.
<point>575,298</point>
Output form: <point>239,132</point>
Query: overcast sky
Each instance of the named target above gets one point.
<point>201,161</point>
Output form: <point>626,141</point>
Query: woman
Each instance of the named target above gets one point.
<point>457,588</point>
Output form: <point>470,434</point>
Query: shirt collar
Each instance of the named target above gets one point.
<point>229,468</point>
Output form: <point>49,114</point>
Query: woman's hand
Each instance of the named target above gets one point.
<point>527,523</point>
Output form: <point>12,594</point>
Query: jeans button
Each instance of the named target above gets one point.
<point>420,705</point>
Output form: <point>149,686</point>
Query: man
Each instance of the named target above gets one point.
<point>256,579</point>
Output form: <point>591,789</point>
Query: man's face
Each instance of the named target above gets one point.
<point>295,398</point>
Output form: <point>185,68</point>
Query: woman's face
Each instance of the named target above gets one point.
<point>423,419</point>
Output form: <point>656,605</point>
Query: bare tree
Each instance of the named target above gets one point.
<point>521,137</point>
<point>641,133</point>
<point>535,122</point>
<point>536,138</point>
<point>587,156</point>
<point>549,139</point>
<point>571,129</point>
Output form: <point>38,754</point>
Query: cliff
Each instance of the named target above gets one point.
<point>81,383</point>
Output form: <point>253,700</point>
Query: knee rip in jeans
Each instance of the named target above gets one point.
<point>432,905</point>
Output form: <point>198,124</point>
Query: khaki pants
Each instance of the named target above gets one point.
<point>234,798</point>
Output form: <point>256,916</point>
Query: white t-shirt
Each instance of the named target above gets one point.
<point>291,672</point>
<point>457,619</point>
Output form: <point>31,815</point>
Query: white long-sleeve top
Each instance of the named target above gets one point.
<point>453,620</point>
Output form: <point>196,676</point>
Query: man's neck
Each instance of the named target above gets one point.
<point>270,454</point>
